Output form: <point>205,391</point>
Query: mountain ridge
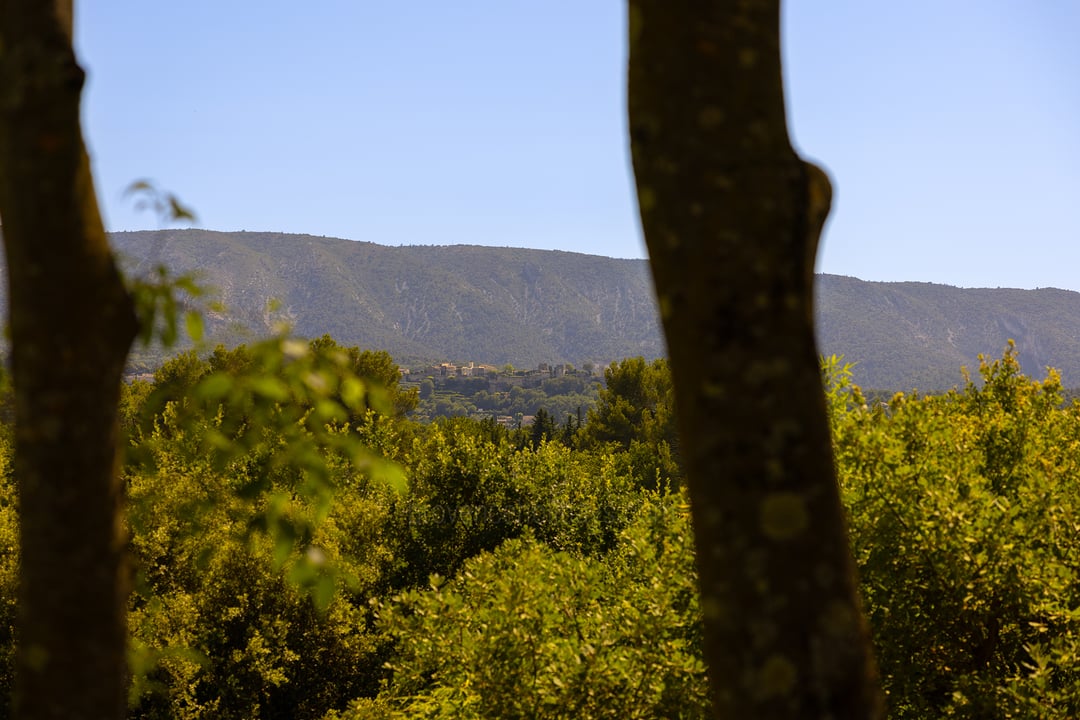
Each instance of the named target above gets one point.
<point>523,307</point>
<point>914,334</point>
<point>505,305</point>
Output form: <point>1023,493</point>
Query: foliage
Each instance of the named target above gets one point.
<point>279,573</point>
<point>963,517</point>
<point>471,489</point>
<point>569,396</point>
<point>255,508</point>
<point>636,411</point>
<point>378,368</point>
<point>260,538</point>
<point>280,424</point>
<point>158,302</point>
<point>528,632</point>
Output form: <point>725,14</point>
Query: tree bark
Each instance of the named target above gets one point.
<point>72,323</point>
<point>732,218</point>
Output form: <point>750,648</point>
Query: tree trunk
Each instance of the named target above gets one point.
<point>732,218</point>
<point>72,323</point>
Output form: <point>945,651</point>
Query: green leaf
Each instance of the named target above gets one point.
<point>179,211</point>
<point>271,388</point>
<point>138,186</point>
<point>328,410</point>
<point>322,591</point>
<point>253,488</point>
<point>193,322</point>
<point>214,387</point>
<point>382,470</point>
<point>219,441</point>
<point>379,399</point>
<point>203,558</point>
<point>285,535</point>
<point>352,393</point>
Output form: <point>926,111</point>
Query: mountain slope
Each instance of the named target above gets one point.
<point>906,335</point>
<point>525,307</point>
<point>496,305</point>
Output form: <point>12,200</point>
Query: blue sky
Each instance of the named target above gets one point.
<point>951,127</point>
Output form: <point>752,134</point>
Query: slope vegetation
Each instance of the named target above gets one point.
<point>525,307</point>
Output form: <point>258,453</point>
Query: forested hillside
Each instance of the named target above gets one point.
<point>525,307</point>
<point>908,335</point>
<point>495,305</point>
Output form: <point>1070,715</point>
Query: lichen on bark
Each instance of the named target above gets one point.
<point>732,218</point>
<point>72,323</point>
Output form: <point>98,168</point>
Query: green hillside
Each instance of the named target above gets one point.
<point>498,305</point>
<point>526,307</point>
<point>918,335</point>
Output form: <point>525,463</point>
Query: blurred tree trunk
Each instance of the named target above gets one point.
<point>72,323</point>
<point>732,218</point>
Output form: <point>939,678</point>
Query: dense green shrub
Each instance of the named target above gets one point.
<point>529,632</point>
<point>470,490</point>
<point>300,554</point>
<point>234,492</point>
<point>963,515</point>
<point>256,534</point>
<point>635,414</point>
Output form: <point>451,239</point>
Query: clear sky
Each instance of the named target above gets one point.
<point>951,127</point>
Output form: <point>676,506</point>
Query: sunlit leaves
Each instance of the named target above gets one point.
<point>278,423</point>
<point>268,531</point>
<point>538,633</point>
<point>961,508</point>
<point>162,302</point>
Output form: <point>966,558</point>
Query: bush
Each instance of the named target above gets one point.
<point>528,632</point>
<point>963,515</point>
<point>287,569</point>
